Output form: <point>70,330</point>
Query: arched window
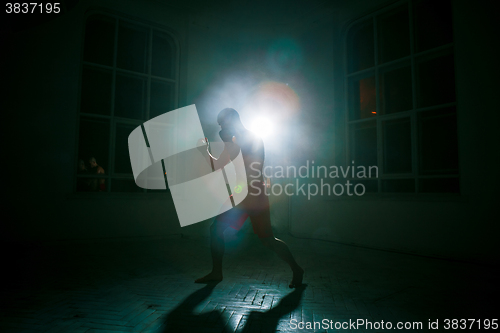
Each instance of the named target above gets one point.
<point>401,103</point>
<point>129,75</point>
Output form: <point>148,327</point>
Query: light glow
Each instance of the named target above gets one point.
<point>262,127</point>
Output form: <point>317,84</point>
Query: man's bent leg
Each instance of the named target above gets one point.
<point>282,250</point>
<point>261,222</point>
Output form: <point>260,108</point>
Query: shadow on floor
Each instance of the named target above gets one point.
<point>268,321</point>
<point>184,319</point>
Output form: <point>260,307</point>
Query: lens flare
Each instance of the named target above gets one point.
<point>274,99</point>
<point>262,127</point>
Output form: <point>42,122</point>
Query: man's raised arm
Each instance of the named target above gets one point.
<point>229,153</point>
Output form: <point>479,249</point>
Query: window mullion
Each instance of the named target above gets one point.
<point>380,153</point>
<point>150,65</point>
<point>414,124</point>
<point>112,125</point>
<point>347,131</point>
<point>113,86</point>
<point>377,87</point>
<point>112,147</point>
<point>148,83</point>
<point>414,147</point>
<point>177,75</point>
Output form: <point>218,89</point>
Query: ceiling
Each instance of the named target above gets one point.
<point>253,12</point>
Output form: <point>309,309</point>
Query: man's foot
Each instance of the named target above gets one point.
<point>212,277</point>
<point>297,278</point>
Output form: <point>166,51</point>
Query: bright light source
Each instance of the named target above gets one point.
<point>261,126</point>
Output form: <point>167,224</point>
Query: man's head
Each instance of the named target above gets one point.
<point>92,162</point>
<point>230,123</point>
<point>228,118</point>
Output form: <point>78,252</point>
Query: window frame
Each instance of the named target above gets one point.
<point>376,70</point>
<point>115,121</point>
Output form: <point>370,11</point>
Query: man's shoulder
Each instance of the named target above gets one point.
<point>252,136</point>
<point>253,142</point>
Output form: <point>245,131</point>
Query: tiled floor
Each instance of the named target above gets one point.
<point>147,286</point>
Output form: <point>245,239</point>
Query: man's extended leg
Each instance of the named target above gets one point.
<point>282,250</point>
<point>217,250</point>
<point>261,223</point>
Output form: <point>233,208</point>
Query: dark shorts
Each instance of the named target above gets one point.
<point>254,206</point>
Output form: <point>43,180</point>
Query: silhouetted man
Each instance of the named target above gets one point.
<point>256,203</point>
<point>96,184</point>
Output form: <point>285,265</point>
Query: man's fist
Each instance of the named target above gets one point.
<point>202,145</point>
